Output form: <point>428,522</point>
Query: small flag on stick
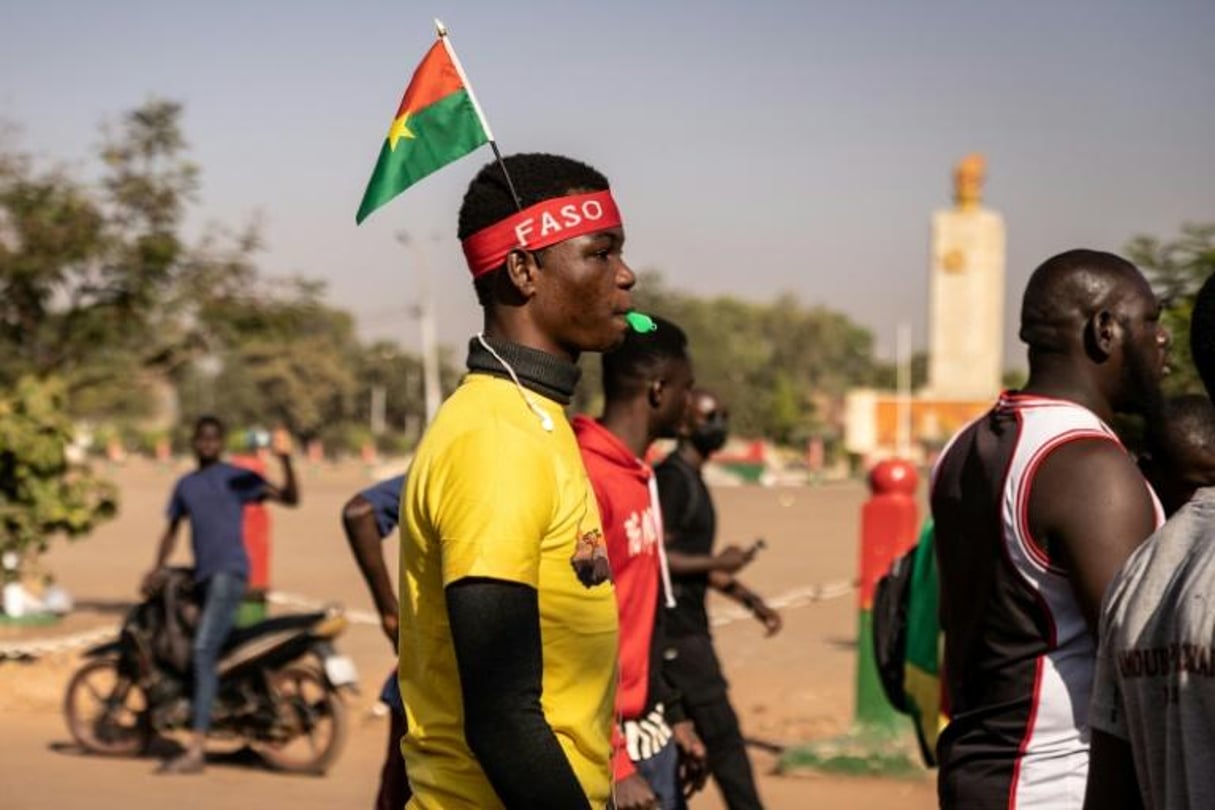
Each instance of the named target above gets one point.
<point>438,122</point>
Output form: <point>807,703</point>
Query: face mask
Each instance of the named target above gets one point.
<point>709,438</point>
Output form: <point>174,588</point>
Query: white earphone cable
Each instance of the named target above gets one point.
<point>546,421</point>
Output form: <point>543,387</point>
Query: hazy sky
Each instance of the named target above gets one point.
<point>754,147</point>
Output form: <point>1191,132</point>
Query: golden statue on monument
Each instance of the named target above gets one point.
<point>968,177</point>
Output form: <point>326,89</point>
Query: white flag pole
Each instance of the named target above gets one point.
<point>441,29</point>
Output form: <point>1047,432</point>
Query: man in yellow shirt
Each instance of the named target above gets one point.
<point>508,619</point>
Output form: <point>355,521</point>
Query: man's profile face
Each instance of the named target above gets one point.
<point>208,443</point>
<point>1177,471</point>
<point>705,410</point>
<point>582,292</point>
<point>1145,348</point>
<point>677,381</point>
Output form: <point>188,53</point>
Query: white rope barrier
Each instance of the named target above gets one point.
<point>798,597</point>
<point>36,648</point>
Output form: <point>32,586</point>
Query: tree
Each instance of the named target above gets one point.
<point>399,374</point>
<point>771,362</point>
<point>283,357</point>
<point>41,495</point>
<point>886,375</point>
<point>99,288</point>
<point>96,284</point>
<point>1177,269</point>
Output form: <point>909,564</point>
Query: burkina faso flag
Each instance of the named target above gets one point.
<point>436,123</point>
<point>922,667</point>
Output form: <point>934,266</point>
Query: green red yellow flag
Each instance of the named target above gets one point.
<point>437,122</point>
<point>922,665</point>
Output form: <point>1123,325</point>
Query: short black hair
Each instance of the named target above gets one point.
<point>1202,334</point>
<point>537,177</point>
<point>1064,291</point>
<point>1187,423</point>
<point>209,421</point>
<point>628,368</point>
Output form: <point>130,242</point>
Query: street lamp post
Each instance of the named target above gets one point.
<point>424,311</point>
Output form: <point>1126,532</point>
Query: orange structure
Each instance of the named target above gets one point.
<point>881,424</point>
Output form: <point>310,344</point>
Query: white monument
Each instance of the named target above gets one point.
<point>966,309</point>
<point>966,336</point>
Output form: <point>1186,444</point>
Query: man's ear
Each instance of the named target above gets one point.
<point>521,269</point>
<point>654,392</point>
<point>1102,333</point>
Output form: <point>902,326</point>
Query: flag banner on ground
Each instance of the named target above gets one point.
<point>436,124</point>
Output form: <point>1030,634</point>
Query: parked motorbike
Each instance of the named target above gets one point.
<point>279,683</point>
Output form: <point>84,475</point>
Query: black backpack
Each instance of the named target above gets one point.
<point>167,619</point>
<point>890,599</point>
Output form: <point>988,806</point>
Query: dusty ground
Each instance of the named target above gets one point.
<point>793,688</point>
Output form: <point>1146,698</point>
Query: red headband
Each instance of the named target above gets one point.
<point>539,226</point>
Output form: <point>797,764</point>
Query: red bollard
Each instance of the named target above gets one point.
<point>368,453</point>
<point>889,528</point>
<point>314,451</point>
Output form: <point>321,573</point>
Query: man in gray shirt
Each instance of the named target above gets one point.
<point>1153,703</point>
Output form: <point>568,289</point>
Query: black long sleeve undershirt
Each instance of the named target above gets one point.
<point>495,629</point>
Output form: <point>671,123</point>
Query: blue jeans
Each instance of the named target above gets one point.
<point>224,594</point>
<point>661,771</point>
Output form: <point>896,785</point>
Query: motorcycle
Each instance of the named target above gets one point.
<point>279,683</point>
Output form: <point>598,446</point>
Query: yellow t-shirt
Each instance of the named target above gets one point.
<point>492,494</point>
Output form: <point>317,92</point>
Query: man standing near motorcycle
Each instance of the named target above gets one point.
<point>213,497</point>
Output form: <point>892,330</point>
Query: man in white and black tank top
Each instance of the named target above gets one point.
<point>1036,505</point>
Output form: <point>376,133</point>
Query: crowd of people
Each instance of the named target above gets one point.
<point>553,645</point>
<point>552,640</point>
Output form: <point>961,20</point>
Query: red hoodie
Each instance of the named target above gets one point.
<point>632,526</point>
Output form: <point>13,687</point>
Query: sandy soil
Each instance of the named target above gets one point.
<point>793,688</point>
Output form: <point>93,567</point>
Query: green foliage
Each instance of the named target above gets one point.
<point>886,374</point>
<point>1177,268</point>
<point>286,359</point>
<point>400,375</point>
<point>99,288</point>
<point>86,274</point>
<point>1014,379</point>
<point>777,364</point>
<point>41,494</point>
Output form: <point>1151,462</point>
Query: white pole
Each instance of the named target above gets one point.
<point>379,405</point>
<point>489,134</point>
<point>425,312</point>
<point>455,60</point>
<point>903,372</point>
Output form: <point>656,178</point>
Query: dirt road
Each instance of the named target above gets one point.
<point>793,688</point>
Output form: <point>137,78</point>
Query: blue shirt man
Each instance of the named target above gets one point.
<point>212,498</point>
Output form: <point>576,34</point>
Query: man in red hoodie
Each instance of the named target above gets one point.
<point>656,753</point>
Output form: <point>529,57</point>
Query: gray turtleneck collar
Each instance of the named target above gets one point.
<point>546,374</point>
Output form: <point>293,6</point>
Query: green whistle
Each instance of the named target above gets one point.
<point>640,322</point>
